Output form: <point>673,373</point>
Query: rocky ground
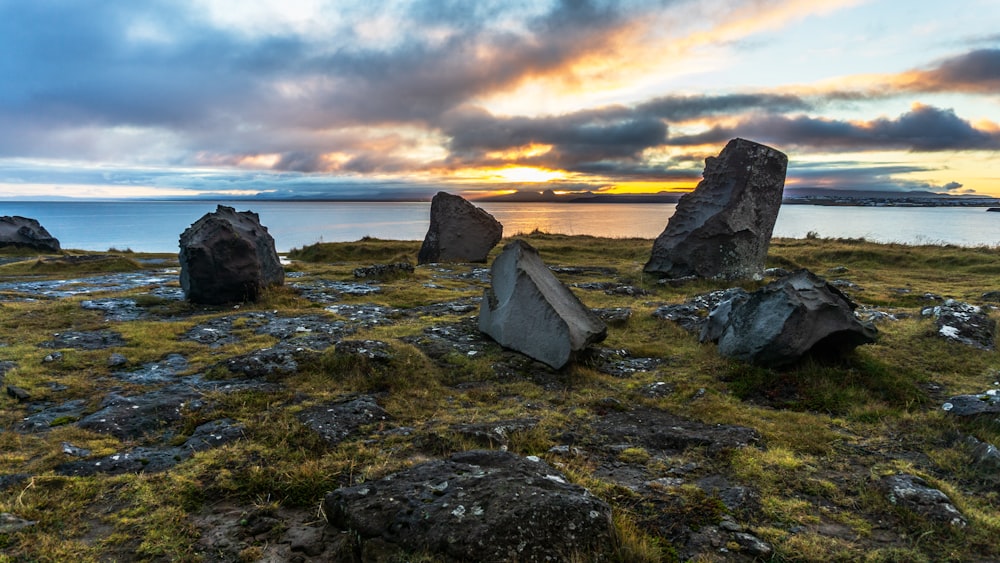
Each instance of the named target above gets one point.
<point>367,418</point>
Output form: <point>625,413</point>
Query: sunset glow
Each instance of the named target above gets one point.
<point>298,99</point>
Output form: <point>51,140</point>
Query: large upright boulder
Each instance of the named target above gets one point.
<point>783,321</point>
<point>26,233</point>
<point>723,228</point>
<point>527,309</point>
<point>228,256</point>
<point>459,232</point>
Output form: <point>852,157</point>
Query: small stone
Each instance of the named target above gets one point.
<point>20,395</point>
<point>117,360</point>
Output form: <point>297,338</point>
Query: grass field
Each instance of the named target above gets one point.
<point>829,431</point>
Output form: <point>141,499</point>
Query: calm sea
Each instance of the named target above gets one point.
<point>156,226</point>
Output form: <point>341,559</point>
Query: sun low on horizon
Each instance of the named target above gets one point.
<point>304,98</point>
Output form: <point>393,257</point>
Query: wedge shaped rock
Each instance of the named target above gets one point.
<point>228,256</point>
<point>459,232</point>
<point>528,310</point>
<point>783,321</point>
<point>723,228</point>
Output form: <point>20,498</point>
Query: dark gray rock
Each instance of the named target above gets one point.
<point>48,416</point>
<point>662,431</point>
<point>496,433</point>
<point>85,340</point>
<point>481,505</point>
<point>785,320</point>
<point>154,372</point>
<point>987,402</point>
<point>963,323</point>
<point>228,257</point>
<point>337,421</point>
<point>991,296</point>
<point>117,360</point>
<point>153,459</point>
<point>614,315</point>
<point>134,416</point>
<point>380,271</point>
<point>723,228</point>
<point>18,394</point>
<point>459,232</point>
<point>692,315</point>
<point>10,523</point>
<point>984,454</point>
<point>527,309</point>
<point>24,232</point>
<point>912,492</point>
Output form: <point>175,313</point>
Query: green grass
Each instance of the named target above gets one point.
<point>829,430</point>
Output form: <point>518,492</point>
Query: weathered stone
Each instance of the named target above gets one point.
<point>913,493</point>
<point>663,431</point>
<point>693,314</point>
<point>380,271</point>
<point>984,454</point>
<point>459,232</point>
<point>987,402</point>
<point>23,232</point>
<point>10,523</point>
<point>85,340</point>
<point>527,309</point>
<point>723,228</point>
<point>334,422</point>
<point>18,394</point>
<point>963,323</point>
<point>228,257</point>
<point>481,505</point>
<point>789,318</point>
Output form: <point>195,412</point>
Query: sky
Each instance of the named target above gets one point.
<point>389,99</point>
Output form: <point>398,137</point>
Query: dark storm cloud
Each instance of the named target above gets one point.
<point>976,71</point>
<point>924,128</point>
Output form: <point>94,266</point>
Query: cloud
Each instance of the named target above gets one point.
<point>924,128</point>
<point>974,72</point>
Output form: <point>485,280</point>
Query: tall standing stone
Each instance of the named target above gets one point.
<point>527,309</point>
<point>459,232</point>
<point>228,256</point>
<point>26,233</point>
<point>723,228</point>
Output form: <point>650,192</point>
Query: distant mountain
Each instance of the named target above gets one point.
<point>549,196</point>
<point>869,194</point>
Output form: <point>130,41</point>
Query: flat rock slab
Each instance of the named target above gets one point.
<point>134,416</point>
<point>480,505</point>
<point>126,281</point>
<point>987,402</point>
<point>163,371</point>
<point>366,315</point>
<point>335,422</point>
<point>328,291</point>
<point>660,430</point>
<point>620,363</point>
<point>85,340</point>
<point>151,459</point>
<point>528,310</point>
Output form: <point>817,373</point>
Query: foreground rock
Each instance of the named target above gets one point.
<point>787,319</point>
<point>228,256</point>
<point>23,232</point>
<point>913,493</point>
<point>963,323</point>
<point>987,402</point>
<point>527,309</point>
<point>459,232</point>
<point>723,228</point>
<point>476,506</point>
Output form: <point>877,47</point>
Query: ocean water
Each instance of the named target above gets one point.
<point>156,226</point>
